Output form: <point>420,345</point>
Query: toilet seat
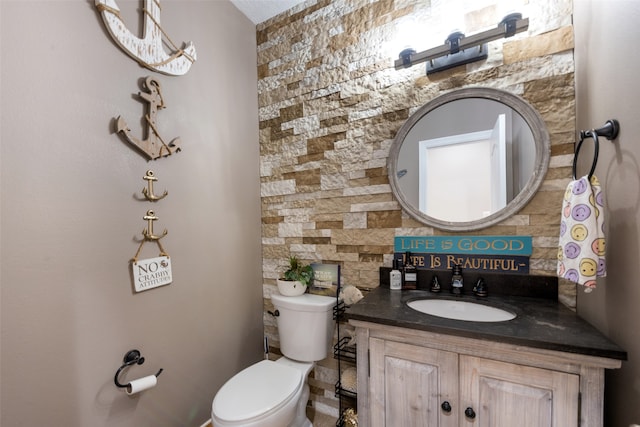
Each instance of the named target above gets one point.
<point>257,390</point>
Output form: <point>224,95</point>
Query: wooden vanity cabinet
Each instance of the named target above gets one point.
<point>506,394</point>
<point>415,378</point>
<point>409,384</point>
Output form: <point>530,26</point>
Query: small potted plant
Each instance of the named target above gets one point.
<point>295,280</point>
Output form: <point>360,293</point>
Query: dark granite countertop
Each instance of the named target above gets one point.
<point>540,323</point>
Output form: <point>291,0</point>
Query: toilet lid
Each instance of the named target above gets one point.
<point>256,390</point>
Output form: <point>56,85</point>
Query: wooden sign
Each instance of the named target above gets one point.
<point>478,245</point>
<point>504,264</point>
<point>151,273</point>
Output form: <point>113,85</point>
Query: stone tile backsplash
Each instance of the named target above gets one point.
<point>330,104</point>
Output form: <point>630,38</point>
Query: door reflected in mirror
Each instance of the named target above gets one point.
<point>469,159</point>
<point>477,192</point>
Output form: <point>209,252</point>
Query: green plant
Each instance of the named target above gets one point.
<point>299,272</point>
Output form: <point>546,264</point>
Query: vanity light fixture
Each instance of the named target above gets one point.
<point>459,49</point>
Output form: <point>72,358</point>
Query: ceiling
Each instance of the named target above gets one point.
<point>259,11</point>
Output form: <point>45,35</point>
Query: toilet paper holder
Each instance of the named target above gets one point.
<point>132,357</point>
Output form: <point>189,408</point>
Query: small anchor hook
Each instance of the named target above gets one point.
<point>148,232</point>
<point>148,192</point>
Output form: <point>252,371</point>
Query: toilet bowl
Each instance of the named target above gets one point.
<point>275,393</point>
<point>265,394</point>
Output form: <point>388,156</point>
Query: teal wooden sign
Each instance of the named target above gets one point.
<point>466,245</point>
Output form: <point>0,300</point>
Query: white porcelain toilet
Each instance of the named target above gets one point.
<point>275,393</point>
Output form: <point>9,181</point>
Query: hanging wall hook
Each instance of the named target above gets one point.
<point>148,192</point>
<point>148,232</point>
<point>132,357</point>
<point>609,130</point>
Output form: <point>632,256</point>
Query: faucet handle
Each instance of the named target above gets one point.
<point>480,288</point>
<point>435,284</point>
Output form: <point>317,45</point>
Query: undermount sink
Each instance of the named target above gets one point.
<point>461,310</point>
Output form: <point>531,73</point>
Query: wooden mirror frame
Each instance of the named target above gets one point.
<point>541,163</point>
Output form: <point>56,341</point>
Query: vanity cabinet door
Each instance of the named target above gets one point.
<point>504,395</point>
<point>412,386</point>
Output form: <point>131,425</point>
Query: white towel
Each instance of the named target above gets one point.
<point>581,251</point>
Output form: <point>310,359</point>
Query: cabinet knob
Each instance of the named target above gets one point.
<point>470,413</point>
<point>446,406</point>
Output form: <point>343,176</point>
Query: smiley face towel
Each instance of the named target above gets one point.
<point>581,251</point>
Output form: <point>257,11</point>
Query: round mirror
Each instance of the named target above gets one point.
<point>469,159</point>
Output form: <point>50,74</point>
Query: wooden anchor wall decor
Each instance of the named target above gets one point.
<point>150,273</point>
<point>147,51</point>
<point>154,145</point>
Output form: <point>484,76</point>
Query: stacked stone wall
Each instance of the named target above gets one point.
<point>331,102</point>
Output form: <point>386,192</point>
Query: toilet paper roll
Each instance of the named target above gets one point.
<point>141,384</point>
<point>349,380</point>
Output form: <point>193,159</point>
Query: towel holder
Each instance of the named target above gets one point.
<point>609,130</point>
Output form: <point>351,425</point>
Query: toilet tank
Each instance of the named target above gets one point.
<point>305,325</point>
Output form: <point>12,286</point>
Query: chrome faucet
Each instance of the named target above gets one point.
<point>456,280</point>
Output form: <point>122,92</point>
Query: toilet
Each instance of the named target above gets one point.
<point>275,393</point>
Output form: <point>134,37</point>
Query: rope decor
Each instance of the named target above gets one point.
<point>103,7</point>
<point>149,51</point>
<point>162,251</point>
<point>165,146</point>
<point>177,51</point>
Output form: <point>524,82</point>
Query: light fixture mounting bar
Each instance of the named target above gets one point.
<point>466,42</point>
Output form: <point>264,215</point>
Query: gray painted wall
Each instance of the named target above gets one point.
<point>607,63</point>
<point>70,215</point>
<point>69,212</point>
